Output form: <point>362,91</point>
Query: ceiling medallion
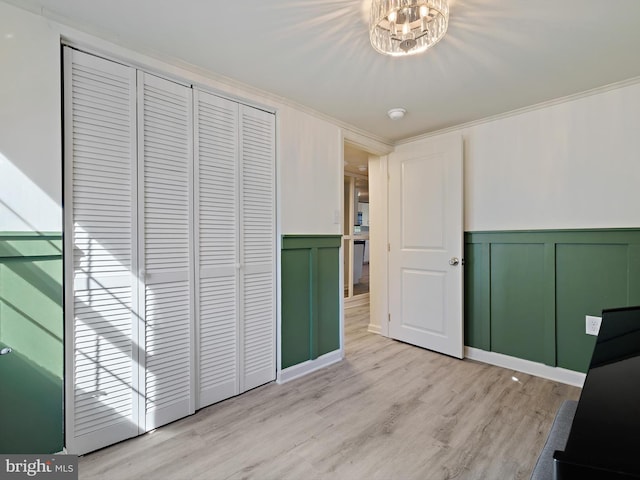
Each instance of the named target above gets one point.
<point>407,27</point>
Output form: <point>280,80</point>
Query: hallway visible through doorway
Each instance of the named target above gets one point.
<point>356,223</point>
<point>362,287</point>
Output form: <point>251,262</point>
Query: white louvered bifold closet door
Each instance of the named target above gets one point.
<point>218,259</point>
<point>257,247</point>
<point>101,312</point>
<point>165,184</point>
<point>170,257</point>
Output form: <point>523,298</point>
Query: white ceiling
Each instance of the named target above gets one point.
<point>498,55</point>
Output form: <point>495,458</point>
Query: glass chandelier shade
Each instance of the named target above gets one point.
<point>407,27</point>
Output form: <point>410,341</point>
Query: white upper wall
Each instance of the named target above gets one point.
<point>310,182</point>
<point>309,151</point>
<point>30,126</point>
<point>311,168</point>
<point>570,165</point>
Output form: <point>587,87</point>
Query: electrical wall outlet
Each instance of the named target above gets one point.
<point>592,325</point>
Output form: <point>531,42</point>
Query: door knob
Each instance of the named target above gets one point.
<point>454,261</point>
<point>6,351</point>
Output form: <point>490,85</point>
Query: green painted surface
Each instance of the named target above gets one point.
<point>527,292</point>
<point>31,409</point>
<point>549,295</point>
<point>304,242</point>
<point>590,278</point>
<point>328,300</point>
<point>477,304</point>
<point>634,274</point>
<point>296,307</point>
<point>310,297</point>
<point>584,236</point>
<point>517,300</point>
<point>15,245</point>
<point>31,323</point>
<point>31,320</point>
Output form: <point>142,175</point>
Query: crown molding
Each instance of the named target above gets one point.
<point>112,47</point>
<point>519,111</point>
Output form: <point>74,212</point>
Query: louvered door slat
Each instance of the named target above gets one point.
<point>257,246</point>
<point>165,116</point>
<point>217,206</point>
<point>101,306</point>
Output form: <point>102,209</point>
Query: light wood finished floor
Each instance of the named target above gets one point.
<point>388,411</point>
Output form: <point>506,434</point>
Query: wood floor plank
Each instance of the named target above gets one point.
<point>388,411</point>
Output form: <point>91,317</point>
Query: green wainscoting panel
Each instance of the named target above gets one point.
<point>310,297</point>
<point>296,306</point>
<point>31,319</point>
<point>517,300</point>
<point>477,301</point>
<point>634,275</point>
<point>527,292</point>
<point>590,278</point>
<point>31,323</point>
<point>328,325</point>
<point>31,407</point>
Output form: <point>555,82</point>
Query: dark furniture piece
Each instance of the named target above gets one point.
<point>604,440</point>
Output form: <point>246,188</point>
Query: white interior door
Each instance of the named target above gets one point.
<point>235,203</point>
<point>257,248</point>
<point>101,262</point>
<point>218,260</point>
<point>164,232</point>
<point>426,245</point>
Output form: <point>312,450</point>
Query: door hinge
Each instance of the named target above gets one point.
<point>389,318</point>
<point>388,247</point>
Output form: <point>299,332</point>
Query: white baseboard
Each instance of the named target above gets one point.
<point>374,329</point>
<point>557,374</point>
<point>309,366</point>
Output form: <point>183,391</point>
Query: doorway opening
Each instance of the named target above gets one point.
<point>356,225</point>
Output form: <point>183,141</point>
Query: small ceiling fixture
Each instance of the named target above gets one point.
<point>362,168</point>
<point>396,113</point>
<point>407,27</point>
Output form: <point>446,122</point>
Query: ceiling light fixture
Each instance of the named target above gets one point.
<point>396,113</point>
<point>407,27</point>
